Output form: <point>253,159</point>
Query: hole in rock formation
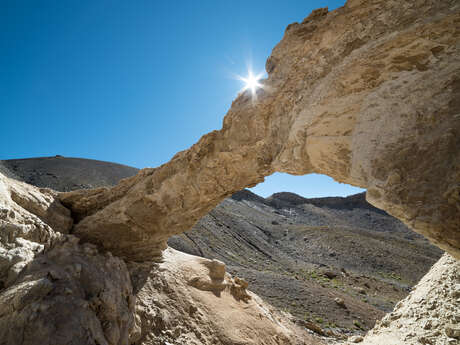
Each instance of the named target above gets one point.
<point>304,254</point>
<point>366,94</point>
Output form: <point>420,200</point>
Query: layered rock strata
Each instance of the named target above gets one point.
<point>368,94</point>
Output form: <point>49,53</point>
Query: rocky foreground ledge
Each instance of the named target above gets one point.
<point>56,290</point>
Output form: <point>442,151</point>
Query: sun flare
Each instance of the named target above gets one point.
<point>251,82</point>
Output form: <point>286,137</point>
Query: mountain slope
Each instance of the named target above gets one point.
<point>302,256</point>
<point>65,174</point>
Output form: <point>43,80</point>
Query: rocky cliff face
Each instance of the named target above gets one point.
<point>56,290</point>
<point>367,94</point>
<point>53,290</point>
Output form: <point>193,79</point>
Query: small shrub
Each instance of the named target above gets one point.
<point>357,324</point>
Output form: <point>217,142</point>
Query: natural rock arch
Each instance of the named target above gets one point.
<point>367,94</point>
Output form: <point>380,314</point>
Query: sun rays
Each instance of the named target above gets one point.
<point>252,83</point>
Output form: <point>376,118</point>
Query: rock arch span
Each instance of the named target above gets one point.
<point>368,94</point>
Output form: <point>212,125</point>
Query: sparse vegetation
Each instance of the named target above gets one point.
<point>358,324</point>
<point>390,275</point>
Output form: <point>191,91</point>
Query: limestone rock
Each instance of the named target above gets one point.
<point>56,290</point>
<point>313,327</point>
<point>453,331</point>
<point>367,94</point>
<point>27,215</point>
<point>68,296</point>
<point>330,274</point>
<point>429,315</point>
<point>170,310</point>
<point>24,204</point>
<point>52,289</point>
<point>217,280</point>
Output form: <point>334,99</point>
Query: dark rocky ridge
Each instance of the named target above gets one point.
<point>65,174</point>
<point>286,246</point>
<point>286,199</point>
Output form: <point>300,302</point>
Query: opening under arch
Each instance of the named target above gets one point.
<point>327,257</point>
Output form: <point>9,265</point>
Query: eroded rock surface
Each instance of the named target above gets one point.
<point>429,315</point>
<point>52,289</point>
<point>191,300</point>
<point>218,281</point>
<point>56,290</point>
<point>368,94</point>
<point>69,295</point>
<point>27,218</point>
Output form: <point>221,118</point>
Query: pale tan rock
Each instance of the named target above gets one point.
<point>171,310</point>
<point>21,203</point>
<point>217,280</point>
<point>367,94</point>
<point>66,296</point>
<point>56,290</point>
<point>27,215</point>
<point>313,327</point>
<point>428,315</point>
<point>340,302</point>
<point>52,289</point>
<point>356,339</point>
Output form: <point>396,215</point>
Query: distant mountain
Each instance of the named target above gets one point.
<point>66,174</point>
<point>286,199</point>
<point>300,254</point>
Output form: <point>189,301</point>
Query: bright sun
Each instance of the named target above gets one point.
<point>251,82</point>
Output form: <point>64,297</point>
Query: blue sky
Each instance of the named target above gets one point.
<point>134,81</point>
